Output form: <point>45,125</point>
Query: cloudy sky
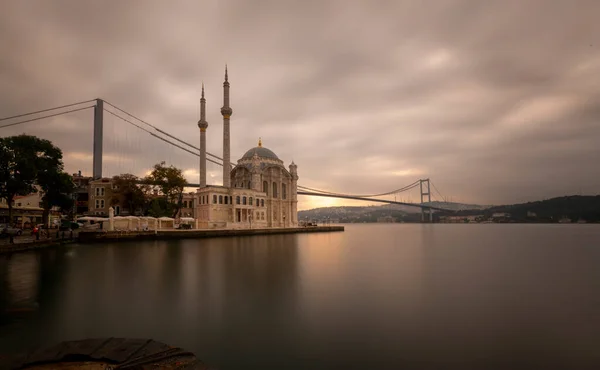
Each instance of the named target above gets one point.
<point>495,101</point>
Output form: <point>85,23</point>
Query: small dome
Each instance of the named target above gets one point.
<point>261,151</point>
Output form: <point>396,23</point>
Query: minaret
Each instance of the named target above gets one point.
<point>294,194</point>
<point>226,112</point>
<point>202,124</point>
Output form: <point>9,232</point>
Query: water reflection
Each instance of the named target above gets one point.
<point>20,281</point>
<point>375,296</point>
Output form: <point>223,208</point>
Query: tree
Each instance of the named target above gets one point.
<point>169,181</point>
<point>24,159</point>
<point>58,188</point>
<point>130,192</point>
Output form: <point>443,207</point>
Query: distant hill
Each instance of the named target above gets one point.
<point>574,207</point>
<point>455,206</point>
<point>372,213</point>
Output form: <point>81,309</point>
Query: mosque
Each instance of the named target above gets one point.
<point>258,192</point>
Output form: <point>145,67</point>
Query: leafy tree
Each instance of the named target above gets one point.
<point>24,160</point>
<point>58,188</point>
<point>130,192</point>
<point>159,207</point>
<point>169,182</point>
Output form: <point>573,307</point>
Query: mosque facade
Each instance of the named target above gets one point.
<point>257,192</point>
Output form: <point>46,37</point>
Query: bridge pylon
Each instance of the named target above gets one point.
<point>98,133</point>
<point>425,193</point>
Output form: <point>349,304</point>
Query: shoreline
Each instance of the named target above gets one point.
<point>110,236</point>
<point>86,237</point>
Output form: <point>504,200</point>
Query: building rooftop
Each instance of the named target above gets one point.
<point>261,152</point>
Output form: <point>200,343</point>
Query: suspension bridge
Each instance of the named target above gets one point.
<point>123,127</point>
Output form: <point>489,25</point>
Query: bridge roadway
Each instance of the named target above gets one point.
<point>309,193</point>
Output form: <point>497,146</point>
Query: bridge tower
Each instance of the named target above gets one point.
<point>425,192</point>
<point>98,132</point>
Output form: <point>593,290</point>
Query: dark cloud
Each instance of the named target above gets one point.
<point>494,101</point>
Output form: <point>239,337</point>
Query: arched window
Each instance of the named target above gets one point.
<point>244,200</point>
<point>220,199</point>
<point>266,187</point>
<point>237,200</point>
<point>249,184</point>
<point>262,202</point>
<point>274,189</point>
<point>250,202</point>
<point>230,199</point>
<point>215,199</point>
<point>283,191</point>
<point>257,202</point>
<point>262,215</point>
<point>226,199</point>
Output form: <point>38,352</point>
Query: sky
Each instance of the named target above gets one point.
<point>495,101</point>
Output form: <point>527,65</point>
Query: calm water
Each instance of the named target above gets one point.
<point>373,297</point>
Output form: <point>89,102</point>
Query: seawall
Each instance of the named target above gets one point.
<point>111,236</point>
<point>23,247</point>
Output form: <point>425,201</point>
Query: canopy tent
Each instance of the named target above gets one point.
<point>167,220</point>
<point>89,218</point>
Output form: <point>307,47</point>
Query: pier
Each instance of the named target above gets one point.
<point>111,236</point>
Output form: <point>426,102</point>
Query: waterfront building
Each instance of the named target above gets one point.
<point>27,210</point>
<point>188,205</point>
<point>102,195</point>
<point>82,193</point>
<point>386,219</point>
<point>257,192</point>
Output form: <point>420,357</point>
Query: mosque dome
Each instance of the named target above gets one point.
<point>261,152</point>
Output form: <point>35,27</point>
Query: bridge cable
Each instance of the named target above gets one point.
<point>405,188</point>
<point>440,194</point>
<point>161,138</point>
<point>408,187</point>
<point>419,205</point>
<point>48,116</point>
<point>161,131</point>
<point>45,110</point>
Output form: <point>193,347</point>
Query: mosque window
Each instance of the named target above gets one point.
<point>215,199</point>
<point>283,191</point>
<point>226,199</point>
<point>274,189</point>
<point>244,200</point>
<point>237,200</point>
<point>262,202</point>
<point>257,202</point>
<point>250,202</point>
<point>266,187</point>
<point>220,199</point>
